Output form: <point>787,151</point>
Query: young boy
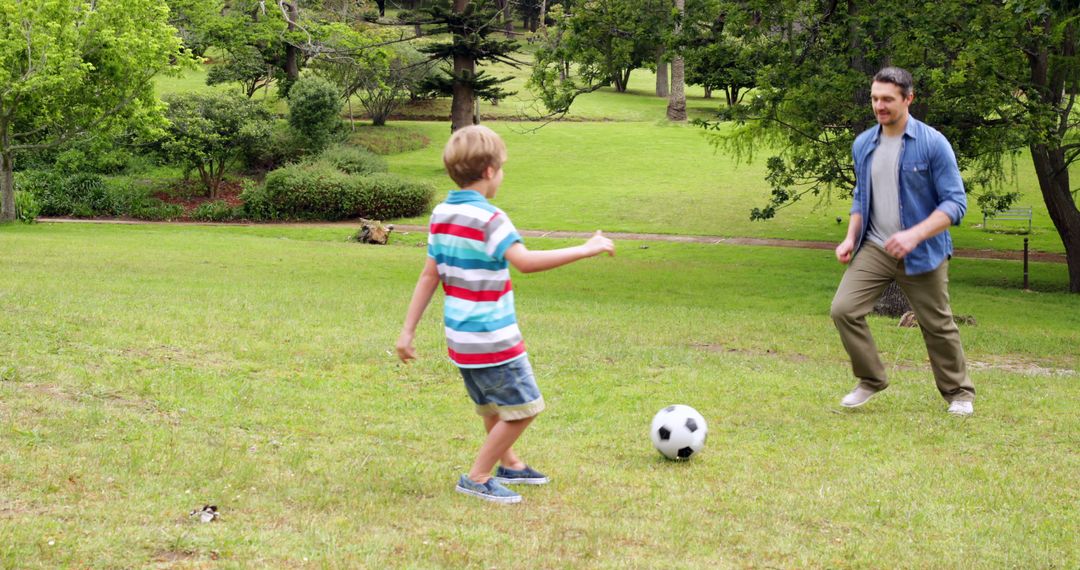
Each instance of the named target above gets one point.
<point>469,246</point>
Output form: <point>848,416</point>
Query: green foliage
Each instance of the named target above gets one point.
<point>312,191</point>
<point>278,148</point>
<point>353,159</point>
<point>214,211</point>
<point>154,210</point>
<point>320,191</point>
<point>209,131</point>
<point>80,195</point>
<point>47,188</point>
<point>88,191</point>
<point>315,112</point>
<point>27,208</point>
<point>389,196</point>
<point>70,68</point>
<point>596,44</point>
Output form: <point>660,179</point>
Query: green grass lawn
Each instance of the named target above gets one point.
<point>618,160</point>
<point>146,371</point>
<point>662,178</point>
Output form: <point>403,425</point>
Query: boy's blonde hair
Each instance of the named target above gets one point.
<point>470,151</point>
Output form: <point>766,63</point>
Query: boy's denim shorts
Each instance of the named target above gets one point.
<point>508,390</point>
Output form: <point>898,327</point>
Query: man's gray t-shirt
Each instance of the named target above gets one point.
<point>885,189</point>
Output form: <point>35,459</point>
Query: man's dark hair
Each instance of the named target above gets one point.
<point>898,77</point>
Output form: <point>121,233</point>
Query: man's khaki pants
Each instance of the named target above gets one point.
<point>865,279</point>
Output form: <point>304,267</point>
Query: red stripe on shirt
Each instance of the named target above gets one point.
<point>475,296</point>
<point>490,357</point>
<point>456,230</point>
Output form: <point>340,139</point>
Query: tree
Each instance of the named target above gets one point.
<point>209,131</point>
<point>469,24</point>
<point>676,110</point>
<point>597,43</point>
<point>995,77</point>
<point>381,90</point>
<point>69,68</point>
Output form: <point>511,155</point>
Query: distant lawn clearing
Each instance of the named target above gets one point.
<point>148,370</point>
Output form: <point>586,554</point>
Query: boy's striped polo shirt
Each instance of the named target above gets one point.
<point>468,238</point>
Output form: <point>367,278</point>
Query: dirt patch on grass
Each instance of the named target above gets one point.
<point>793,357</point>
<point>1019,366</point>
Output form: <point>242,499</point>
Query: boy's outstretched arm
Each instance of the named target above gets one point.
<point>527,261</point>
<point>425,288</point>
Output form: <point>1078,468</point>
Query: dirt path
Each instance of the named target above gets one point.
<point>768,242</point>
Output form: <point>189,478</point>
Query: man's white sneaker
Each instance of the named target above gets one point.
<point>858,397</point>
<point>961,408</point>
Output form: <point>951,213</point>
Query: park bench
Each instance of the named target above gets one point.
<point>1015,214</point>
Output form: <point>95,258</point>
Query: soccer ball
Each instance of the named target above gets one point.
<point>678,432</point>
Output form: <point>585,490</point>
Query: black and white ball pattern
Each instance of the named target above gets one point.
<point>678,432</point>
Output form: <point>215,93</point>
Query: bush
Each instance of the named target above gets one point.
<point>354,160</point>
<point>277,150</point>
<point>27,208</point>
<point>315,112</point>
<point>88,194</point>
<point>387,196</point>
<point>312,191</point>
<point>216,211</point>
<point>155,210</point>
<point>47,189</point>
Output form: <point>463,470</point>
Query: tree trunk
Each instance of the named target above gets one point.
<point>661,74</point>
<point>7,184</point>
<point>541,19</point>
<point>708,92</point>
<point>292,54</point>
<point>892,303</point>
<point>1053,178</point>
<point>461,107</point>
<point>507,17</point>
<point>676,110</point>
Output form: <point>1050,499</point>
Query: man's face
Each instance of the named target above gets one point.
<point>890,106</point>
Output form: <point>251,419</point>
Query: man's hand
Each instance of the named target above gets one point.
<point>844,251</point>
<point>901,243</point>
<point>599,244</point>
<point>404,347</point>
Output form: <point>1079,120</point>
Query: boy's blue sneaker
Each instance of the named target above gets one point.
<point>490,491</point>
<point>526,476</point>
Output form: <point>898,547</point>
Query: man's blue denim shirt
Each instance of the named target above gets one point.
<point>929,180</point>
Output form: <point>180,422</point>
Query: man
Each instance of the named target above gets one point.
<point>908,192</point>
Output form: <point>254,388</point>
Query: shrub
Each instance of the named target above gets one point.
<point>315,112</point>
<point>386,196</point>
<point>312,191</point>
<point>278,149</point>
<point>47,189</point>
<point>27,208</point>
<point>216,211</point>
<point>88,195</point>
<point>354,160</point>
<point>155,210</point>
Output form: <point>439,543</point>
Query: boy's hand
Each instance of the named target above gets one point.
<point>599,244</point>
<point>404,347</point>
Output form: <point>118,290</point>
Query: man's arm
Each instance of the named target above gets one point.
<point>425,288</point>
<point>527,261</point>
<point>846,249</point>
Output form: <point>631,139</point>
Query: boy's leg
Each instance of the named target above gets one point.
<point>501,437</point>
<point>509,459</point>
